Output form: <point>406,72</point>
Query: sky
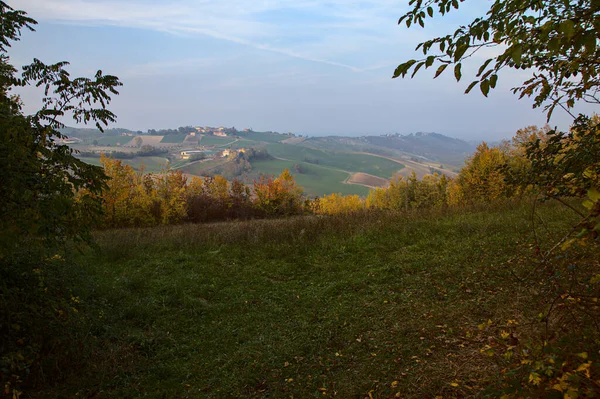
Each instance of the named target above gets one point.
<point>311,67</point>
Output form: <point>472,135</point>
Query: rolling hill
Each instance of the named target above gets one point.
<point>322,165</point>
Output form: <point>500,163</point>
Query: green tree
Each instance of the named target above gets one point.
<point>41,178</point>
<point>48,197</point>
<point>556,39</point>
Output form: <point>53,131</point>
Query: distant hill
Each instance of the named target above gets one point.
<point>322,165</point>
<point>433,147</point>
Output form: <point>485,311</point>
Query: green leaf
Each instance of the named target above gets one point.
<point>590,43</point>
<point>457,72</point>
<point>460,51</point>
<point>567,27</point>
<point>419,65</point>
<point>429,61</point>
<point>402,69</point>
<point>440,70</point>
<point>471,86</point>
<point>430,11</point>
<point>594,195</point>
<point>516,54</point>
<point>483,66</point>
<point>484,86</point>
<point>493,80</point>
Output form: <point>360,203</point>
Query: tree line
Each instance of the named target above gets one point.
<point>135,198</point>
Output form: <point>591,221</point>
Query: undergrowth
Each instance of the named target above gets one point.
<point>374,305</point>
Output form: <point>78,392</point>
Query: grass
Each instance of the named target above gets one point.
<point>367,306</point>
<point>151,164</point>
<point>201,168</point>
<point>114,140</point>
<point>350,162</point>
<point>243,143</point>
<point>216,140</point>
<point>174,138</point>
<point>316,180</point>
<point>264,136</point>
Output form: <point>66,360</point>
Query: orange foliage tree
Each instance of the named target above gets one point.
<point>280,196</point>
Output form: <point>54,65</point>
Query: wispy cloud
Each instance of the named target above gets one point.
<point>302,29</point>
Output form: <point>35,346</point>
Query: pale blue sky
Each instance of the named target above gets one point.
<point>307,66</point>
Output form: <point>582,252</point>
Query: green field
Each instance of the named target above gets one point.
<point>316,180</point>
<point>307,307</point>
<point>113,140</point>
<point>151,164</point>
<point>364,163</point>
<point>215,140</point>
<point>202,168</point>
<point>264,136</point>
<point>243,143</point>
<point>173,138</point>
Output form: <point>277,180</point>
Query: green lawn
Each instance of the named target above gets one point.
<point>316,180</point>
<point>364,163</point>
<point>173,138</point>
<point>368,306</point>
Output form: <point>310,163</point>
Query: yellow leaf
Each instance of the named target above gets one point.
<point>583,355</point>
<point>585,367</point>
<point>454,384</point>
<point>535,379</point>
<point>504,334</point>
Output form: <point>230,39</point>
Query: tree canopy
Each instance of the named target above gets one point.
<point>555,39</point>
<point>41,177</point>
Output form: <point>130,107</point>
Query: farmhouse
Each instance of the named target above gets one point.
<point>69,140</point>
<point>187,154</point>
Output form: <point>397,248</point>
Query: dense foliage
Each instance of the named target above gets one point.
<point>48,199</point>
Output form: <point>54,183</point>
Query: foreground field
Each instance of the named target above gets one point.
<point>370,306</point>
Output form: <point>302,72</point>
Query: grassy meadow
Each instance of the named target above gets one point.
<point>364,163</point>
<point>150,164</point>
<point>315,179</point>
<point>216,140</point>
<point>377,305</point>
<point>114,140</point>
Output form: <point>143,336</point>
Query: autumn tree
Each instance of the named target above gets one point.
<point>556,41</point>
<point>337,204</point>
<point>482,178</point>
<point>279,196</point>
<point>404,193</point>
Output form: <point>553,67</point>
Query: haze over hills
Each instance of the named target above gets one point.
<point>322,165</point>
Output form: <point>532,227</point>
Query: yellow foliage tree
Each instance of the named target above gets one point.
<point>280,196</point>
<point>336,204</point>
